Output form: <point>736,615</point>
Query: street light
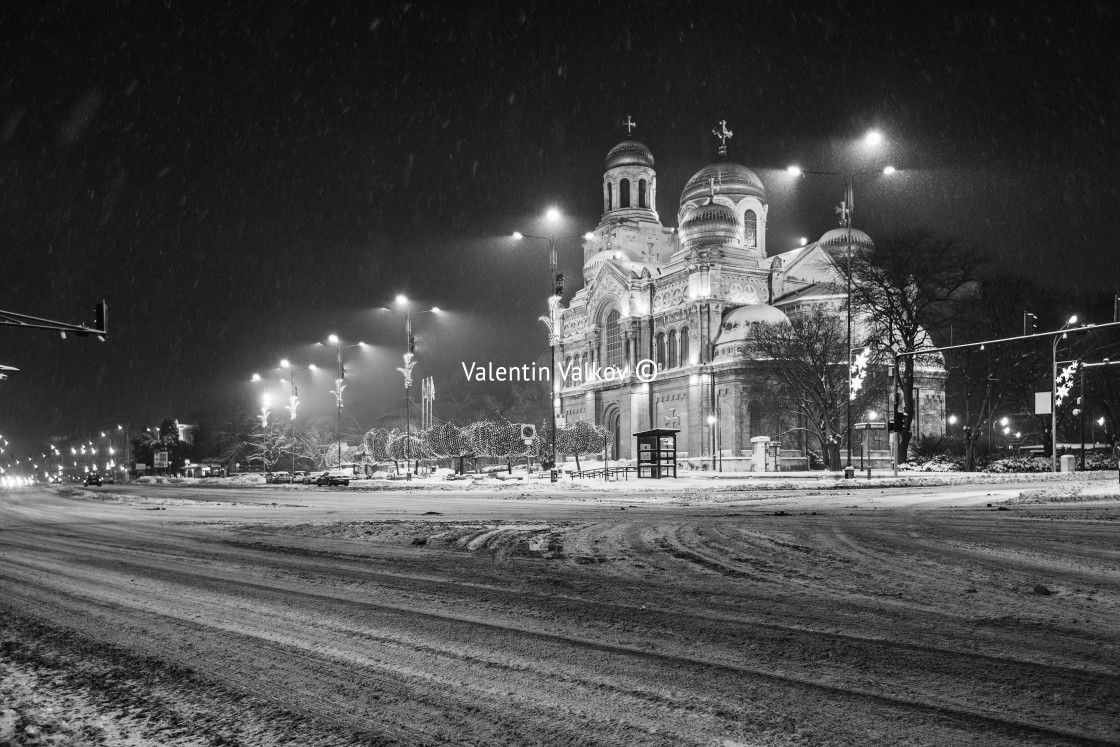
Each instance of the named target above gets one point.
<point>552,321</point>
<point>339,387</point>
<point>717,440</point>
<point>406,370</point>
<point>1053,403</point>
<point>1003,422</point>
<point>293,402</point>
<point>846,211</point>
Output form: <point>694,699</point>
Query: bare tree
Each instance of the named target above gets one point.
<point>807,360</point>
<point>905,287</point>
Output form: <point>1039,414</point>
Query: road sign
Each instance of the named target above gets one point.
<point>160,460</point>
<point>1042,403</point>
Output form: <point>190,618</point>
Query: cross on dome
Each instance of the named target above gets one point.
<point>629,124</point>
<point>724,135</point>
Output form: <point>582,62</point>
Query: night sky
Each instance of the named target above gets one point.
<point>240,180</point>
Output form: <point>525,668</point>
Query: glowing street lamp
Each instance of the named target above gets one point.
<point>340,387</point>
<point>406,370</point>
<point>846,211</point>
<point>293,402</point>
<point>552,321</point>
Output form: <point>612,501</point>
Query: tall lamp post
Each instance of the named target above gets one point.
<point>846,211</point>
<point>1053,391</point>
<point>406,370</point>
<point>293,403</point>
<point>339,387</point>
<point>552,320</point>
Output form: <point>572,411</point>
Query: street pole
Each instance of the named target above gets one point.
<point>849,194</point>
<point>555,332</point>
<point>295,394</point>
<point>1053,406</point>
<point>1053,398</point>
<point>1081,412</point>
<point>407,383</point>
<point>554,337</point>
<point>293,402</point>
<point>338,419</point>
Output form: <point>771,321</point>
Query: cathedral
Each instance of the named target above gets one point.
<point>685,298</point>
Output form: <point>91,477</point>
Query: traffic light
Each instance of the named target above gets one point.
<point>558,286</point>
<point>412,343</point>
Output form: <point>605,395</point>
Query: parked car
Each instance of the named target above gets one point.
<point>93,480</point>
<point>333,477</point>
<point>278,477</point>
<point>307,478</point>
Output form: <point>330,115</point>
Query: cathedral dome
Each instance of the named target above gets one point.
<point>711,224</point>
<point>839,237</point>
<point>735,329</point>
<point>628,153</point>
<point>727,178</point>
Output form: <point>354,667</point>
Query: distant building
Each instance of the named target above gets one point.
<point>685,297</point>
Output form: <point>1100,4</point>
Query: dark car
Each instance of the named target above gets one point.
<point>333,478</point>
<point>93,480</point>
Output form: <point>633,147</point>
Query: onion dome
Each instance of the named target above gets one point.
<point>711,224</point>
<point>628,153</point>
<point>727,178</point>
<point>839,237</point>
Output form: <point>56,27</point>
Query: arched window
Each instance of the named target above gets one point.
<point>671,356</point>
<point>614,340</point>
<point>661,350</point>
<point>583,367</point>
<point>642,194</point>
<point>610,197</point>
<point>684,346</point>
<point>750,228</point>
<point>566,374</point>
<point>624,193</point>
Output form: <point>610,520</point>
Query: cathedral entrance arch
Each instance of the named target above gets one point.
<point>612,420</point>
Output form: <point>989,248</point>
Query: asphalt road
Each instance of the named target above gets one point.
<point>275,615</point>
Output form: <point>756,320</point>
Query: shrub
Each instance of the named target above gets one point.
<point>935,463</point>
<point>1020,464</point>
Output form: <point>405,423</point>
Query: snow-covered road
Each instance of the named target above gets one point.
<point>706,616</point>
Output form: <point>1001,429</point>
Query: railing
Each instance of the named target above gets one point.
<point>608,473</point>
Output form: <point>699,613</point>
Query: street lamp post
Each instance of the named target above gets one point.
<point>846,211</point>
<point>406,371</point>
<point>1053,400</point>
<point>552,321</point>
<point>339,386</point>
<point>293,403</point>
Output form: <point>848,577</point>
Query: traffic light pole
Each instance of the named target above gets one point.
<point>100,323</point>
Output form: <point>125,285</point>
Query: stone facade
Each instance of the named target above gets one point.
<point>684,298</point>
